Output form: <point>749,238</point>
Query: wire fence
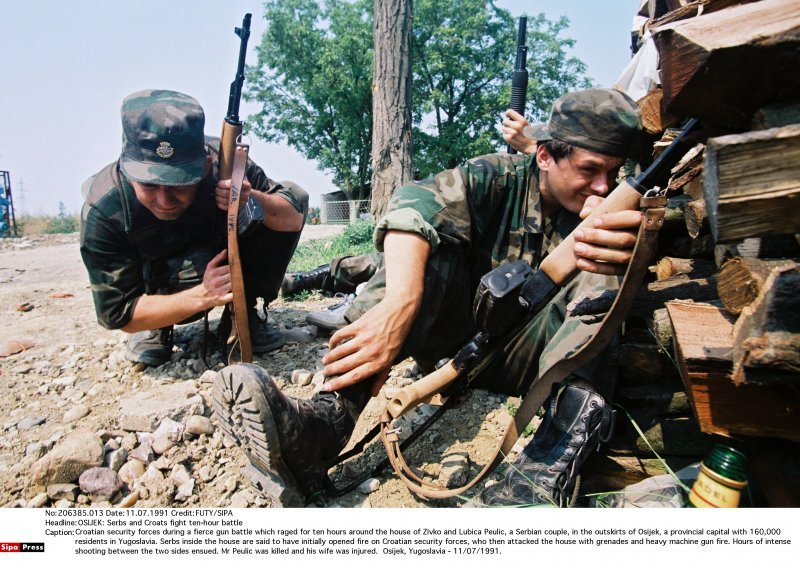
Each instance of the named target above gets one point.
<point>344,212</point>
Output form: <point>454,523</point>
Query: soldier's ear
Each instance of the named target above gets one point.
<point>544,159</point>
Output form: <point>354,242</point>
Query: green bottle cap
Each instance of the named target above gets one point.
<point>728,462</point>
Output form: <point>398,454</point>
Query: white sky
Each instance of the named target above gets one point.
<point>66,66</point>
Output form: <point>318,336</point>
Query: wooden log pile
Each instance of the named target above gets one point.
<point>712,346</point>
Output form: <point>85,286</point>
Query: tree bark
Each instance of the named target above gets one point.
<point>391,101</point>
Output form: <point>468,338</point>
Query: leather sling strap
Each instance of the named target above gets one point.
<point>644,251</point>
<point>240,330</point>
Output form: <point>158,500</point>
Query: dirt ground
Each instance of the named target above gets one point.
<point>75,377</point>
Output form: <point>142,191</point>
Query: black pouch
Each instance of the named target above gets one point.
<point>497,307</point>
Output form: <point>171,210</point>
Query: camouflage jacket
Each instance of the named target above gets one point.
<point>120,237</point>
<point>490,207</point>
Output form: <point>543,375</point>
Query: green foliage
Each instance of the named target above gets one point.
<point>355,240</point>
<point>313,81</point>
<point>63,222</point>
<point>464,54</point>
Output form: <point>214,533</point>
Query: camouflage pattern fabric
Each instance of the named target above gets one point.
<point>162,138</point>
<point>605,121</point>
<point>483,213</point>
<point>129,252</point>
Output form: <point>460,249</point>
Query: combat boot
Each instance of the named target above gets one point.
<point>290,442</point>
<point>317,279</point>
<point>152,347</point>
<point>263,337</point>
<point>576,421</point>
<point>332,318</point>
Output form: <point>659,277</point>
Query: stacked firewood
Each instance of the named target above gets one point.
<point>713,343</point>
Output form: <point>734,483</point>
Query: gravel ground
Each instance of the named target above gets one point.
<point>72,407</point>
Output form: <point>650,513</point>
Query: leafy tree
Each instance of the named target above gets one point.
<point>313,81</point>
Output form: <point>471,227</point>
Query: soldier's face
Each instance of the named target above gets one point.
<point>166,202</point>
<point>570,181</point>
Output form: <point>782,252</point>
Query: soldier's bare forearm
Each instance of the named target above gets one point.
<point>279,214</point>
<point>157,311</point>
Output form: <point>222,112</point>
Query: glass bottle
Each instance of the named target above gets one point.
<point>723,475</point>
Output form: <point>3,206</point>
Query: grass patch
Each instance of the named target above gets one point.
<point>355,240</point>
<point>35,225</point>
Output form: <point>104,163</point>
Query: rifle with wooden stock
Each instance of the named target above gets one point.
<point>232,164</point>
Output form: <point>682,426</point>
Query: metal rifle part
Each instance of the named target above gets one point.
<point>235,97</point>
<point>519,80</point>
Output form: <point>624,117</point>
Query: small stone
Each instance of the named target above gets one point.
<point>37,450</point>
<point>101,483</point>
<point>455,467</point>
<point>129,441</point>
<point>198,425</point>
<point>179,475</point>
<point>184,491</point>
<point>129,500</point>
<point>58,491</point>
<point>64,381</point>
<point>207,377</point>
<point>241,499</point>
<point>77,452</point>
<point>111,444</point>
<point>143,412</point>
<point>83,499</point>
<point>369,486</point>
<point>38,502</point>
<point>161,463</point>
<point>206,473</point>
<point>131,471</point>
<point>64,504</point>
<point>301,377</point>
<point>96,390</point>
<point>144,452</point>
<point>116,459</point>
<point>30,422</point>
<point>78,411</point>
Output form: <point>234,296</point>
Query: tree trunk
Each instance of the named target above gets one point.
<point>391,101</point>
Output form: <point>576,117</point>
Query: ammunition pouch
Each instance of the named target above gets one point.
<point>507,294</point>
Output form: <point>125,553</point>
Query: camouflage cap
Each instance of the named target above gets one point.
<point>162,138</point>
<point>605,121</point>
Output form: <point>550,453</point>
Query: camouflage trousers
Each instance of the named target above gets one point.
<point>264,253</point>
<point>445,323</point>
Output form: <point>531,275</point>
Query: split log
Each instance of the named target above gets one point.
<point>661,328</point>
<point>696,218</point>
<point>660,399</point>
<point>704,347</point>
<point>771,246</point>
<point>740,280</point>
<point>649,298</point>
<point>692,268</point>
<point>751,181</point>
<point>703,58</point>
<point>766,337</point>
<point>643,364</point>
<point>654,121</point>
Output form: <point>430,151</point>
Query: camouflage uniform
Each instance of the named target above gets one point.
<point>128,252</point>
<point>476,217</point>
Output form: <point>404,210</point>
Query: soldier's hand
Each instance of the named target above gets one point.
<point>513,125</point>
<point>607,247</point>
<point>217,288</point>
<point>222,193</point>
<point>367,347</point>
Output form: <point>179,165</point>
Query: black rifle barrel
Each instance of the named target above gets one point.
<point>519,80</point>
<point>235,96</point>
<point>659,169</point>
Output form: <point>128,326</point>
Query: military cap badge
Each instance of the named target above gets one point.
<point>164,150</point>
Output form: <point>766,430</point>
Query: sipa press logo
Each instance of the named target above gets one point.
<point>21,547</point>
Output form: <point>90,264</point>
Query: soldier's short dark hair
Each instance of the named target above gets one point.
<point>558,148</point>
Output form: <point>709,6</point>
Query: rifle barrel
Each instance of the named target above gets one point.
<point>235,97</point>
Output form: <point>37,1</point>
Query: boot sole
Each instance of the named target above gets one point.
<point>244,416</point>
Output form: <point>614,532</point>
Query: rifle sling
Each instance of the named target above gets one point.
<point>541,388</point>
<point>240,330</point>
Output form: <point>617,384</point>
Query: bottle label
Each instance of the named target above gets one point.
<point>709,491</point>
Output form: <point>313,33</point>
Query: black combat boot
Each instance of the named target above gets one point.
<point>575,423</point>
<point>263,337</point>
<point>291,442</point>
<point>317,279</point>
<point>152,347</point>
